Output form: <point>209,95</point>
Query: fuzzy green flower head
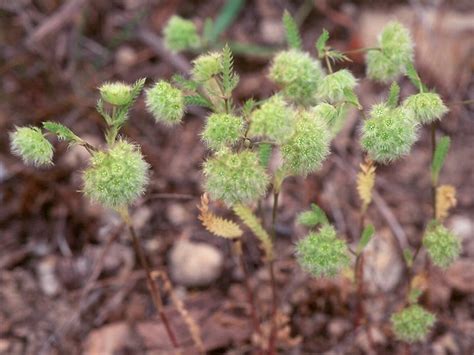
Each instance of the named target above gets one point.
<point>307,148</point>
<point>165,103</point>
<point>396,51</point>
<point>442,245</point>
<point>412,324</point>
<point>332,86</point>
<point>222,130</point>
<point>322,253</point>
<point>298,74</point>
<point>207,66</point>
<point>117,93</point>
<point>31,146</point>
<point>388,134</point>
<point>426,106</point>
<point>180,34</point>
<point>273,120</point>
<point>117,177</point>
<point>235,177</point>
<point>334,117</point>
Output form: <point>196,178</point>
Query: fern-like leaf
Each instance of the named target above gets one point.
<point>393,95</point>
<point>264,153</point>
<point>184,83</point>
<point>253,223</point>
<point>445,200</point>
<point>365,183</point>
<point>229,78</point>
<point>321,43</point>
<point>216,225</point>
<point>293,36</point>
<point>197,100</point>
<point>62,132</point>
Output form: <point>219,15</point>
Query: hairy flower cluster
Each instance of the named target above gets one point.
<point>235,177</point>
<point>322,253</point>
<point>298,74</point>
<point>389,133</point>
<point>165,103</point>
<point>30,144</point>
<point>116,177</point>
<point>412,323</point>
<point>116,93</point>
<point>273,120</point>
<point>333,86</point>
<point>426,106</point>
<point>222,130</point>
<point>180,34</point>
<point>442,245</point>
<point>396,51</point>
<point>307,148</point>
<point>206,66</point>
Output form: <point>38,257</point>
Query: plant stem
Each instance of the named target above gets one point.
<point>152,286</point>
<point>365,49</point>
<point>328,63</point>
<point>272,338</point>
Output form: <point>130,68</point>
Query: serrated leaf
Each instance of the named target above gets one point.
<point>365,238</point>
<point>442,148</point>
<point>412,74</point>
<point>445,200</point>
<point>321,43</point>
<point>292,33</point>
<point>229,78</point>
<point>216,225</point>
<point>393,95</point>
<point>197,100</point>
<point>184,83</point>
<point>312,217</point>
<point>351,98</point>
<point>248,107</point>
<point>253,223</point>
<point>336,56</point>
<point>62,132</point>
<point>264,153</point>
<point>101,110</point>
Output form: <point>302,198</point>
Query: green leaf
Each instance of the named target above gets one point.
<point>393,95</point>
<point>63,133</point>
<point>367,235</point>
<point>229,78</point>
<point>101,110</point>
<point>264,153</point>
<point>408,256</point>
<point>225,18</point>
<point>293,36</point>
<point>248,107</point>
<point>321,43</point>
<point>184,83</point>
<point>351,98</point>
<point>313,217</point>
<point>207,30</point>
<point>414,294</point>
<point>197,100</point>
<point>336,56</point>
<point>439,157</point>
<point>412,74</point>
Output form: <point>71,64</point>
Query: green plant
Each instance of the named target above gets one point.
<point>412,323</point>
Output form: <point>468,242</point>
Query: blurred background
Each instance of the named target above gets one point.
<point>69,281</point>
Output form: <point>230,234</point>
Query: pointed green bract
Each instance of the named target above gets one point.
<point>31,146</point>
<point>333,85</point>
<point>165,103</point>
<point>292,33</point>
<point>180,34</point>
<point>412,324</point>
<point>426,107</point>
<point>442,245</point>
<point>222,130</point>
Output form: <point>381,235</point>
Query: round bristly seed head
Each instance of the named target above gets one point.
<point>180,34</point>
<point>388,134</point>
<point>235,177</point>
<point>426,107</point>
<point>273,120</point>
<point>442,245</point>
<point>116,177</point>
<point>207,66</point>
<point>222,130</point>
<point>307,148</point>
<point>332,86</point>
<point>165,103</point>
<point>322,253</point>
<point>298,75</point>
<point>116,93</point>
<point>31,146</point>
<point>412,324</point>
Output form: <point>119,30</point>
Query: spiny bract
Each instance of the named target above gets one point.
<point>206,66</point>
<point>332,86</point>
<point>165,103</point>
<point>222,130</point>
<point>396,51</point>
<point>307,148</point>
<point>333,116</point>
<point>235,177</point>
<point>117,176</point>
<point>426,107</point>
<point>412,323</point>
<point>180,34</point>
<point>298,74</point>
<point>389,133</point>
<point>30,144</point>
<point>273,120</point>
<point>116,93</point>
<point>322,253</point>
<point>442,245</point>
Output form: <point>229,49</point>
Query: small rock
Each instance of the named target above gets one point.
<point>195,264</point>
<point>272,31</point>
<point>109,339</point>
<point>47,277</point>
<point>177,214</point>
<point>126,57</point>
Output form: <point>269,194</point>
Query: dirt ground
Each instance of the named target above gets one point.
<point>69,280</point>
